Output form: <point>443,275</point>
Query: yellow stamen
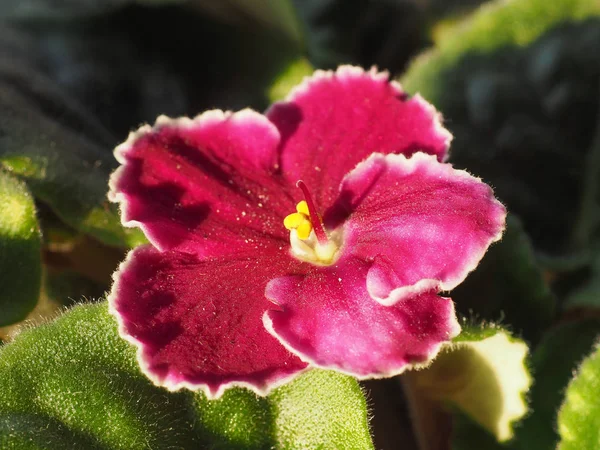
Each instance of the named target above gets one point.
<point>304,229</point>
<point>309,240</point>
<point>299,221</point>
<point>302,208</point>
<point>294,220</point>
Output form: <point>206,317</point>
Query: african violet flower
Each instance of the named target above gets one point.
<point>318,234</point>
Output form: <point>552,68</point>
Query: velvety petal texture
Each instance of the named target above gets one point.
<point>411,227</point>
<point>221,297</point>
<point>334,120</point>
<point>202,185</point>
<point>207,195</point>
<point>418,220</point>
<point>194,332</point>
<point>329,318</point>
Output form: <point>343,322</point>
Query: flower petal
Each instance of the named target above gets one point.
<point>196,328</point>
<point>334,120</point>
<point>421,221</point>
<point>329,318</point>
<point>203,185</point>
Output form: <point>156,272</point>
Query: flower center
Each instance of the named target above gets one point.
<point>309,239</point>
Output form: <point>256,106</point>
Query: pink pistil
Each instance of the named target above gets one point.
<point>314,217</point>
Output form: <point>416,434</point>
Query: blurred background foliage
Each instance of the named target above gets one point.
<point>518,83</point>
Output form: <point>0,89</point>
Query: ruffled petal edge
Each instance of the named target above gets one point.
<point>170,382</point>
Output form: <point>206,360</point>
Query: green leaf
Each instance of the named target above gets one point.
<point>486,378</point>
<point>468,435</point>
<point>446,12</point>
<point>364,33</point>
<point>474,332</point>
<point>277,14</point>
<point>76,383</point>
<point>508,285</point>
<point>321,409</point>
<point>586,293</point>
<point>47,10</point>
<point>67,287</point>
<point>528,100</point>
<point>60,119</point>
<point>20,251</point>
<point>333,400</point>
<point>497,24</point>
<point>291,76</point>
<point>476,387</point>
<point>517,83</point>
<point>553,364</point>
<point>66,165</point>
<point>579,416</point>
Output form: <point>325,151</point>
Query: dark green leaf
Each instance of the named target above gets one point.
<point>68,287</point>
<point>62,85</point>
<point>279,15</point>
<point>586,292</point>
<point>52,143</point>
<point>498,24</point>
<point>553,364</point>
<point>382,33</point>
<point>508,285</point>
<point>20,251</point>
<point>519,89</point>
<point>468,435</point>
<point>52,10</point>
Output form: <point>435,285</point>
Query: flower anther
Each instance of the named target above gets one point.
<point>309,240</point>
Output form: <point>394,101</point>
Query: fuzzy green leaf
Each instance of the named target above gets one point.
<point>553,364</point>
<point>305,414</point>
<point>75,382</point>
<point>20,251</point>
<point>484,375</point>
<point>497,24</point>
<point>317,423</point>
<point>579,416</point>
<point>516,94</point>
<point>517,82</point>
<point>476,387</point>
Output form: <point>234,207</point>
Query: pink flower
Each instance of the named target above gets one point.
<point>227,295</point>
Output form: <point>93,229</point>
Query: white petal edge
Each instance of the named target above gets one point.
<point>168,382</point>
<point>455,331</point>
<point>410,165</point>
<point>345,72</point>
<point>207,118</point>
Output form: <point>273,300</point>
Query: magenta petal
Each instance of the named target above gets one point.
<point>199,324</point>
<point>202,185</point>
<point>421,222</point>
<point>334,120</point>
<point>330,320</point>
